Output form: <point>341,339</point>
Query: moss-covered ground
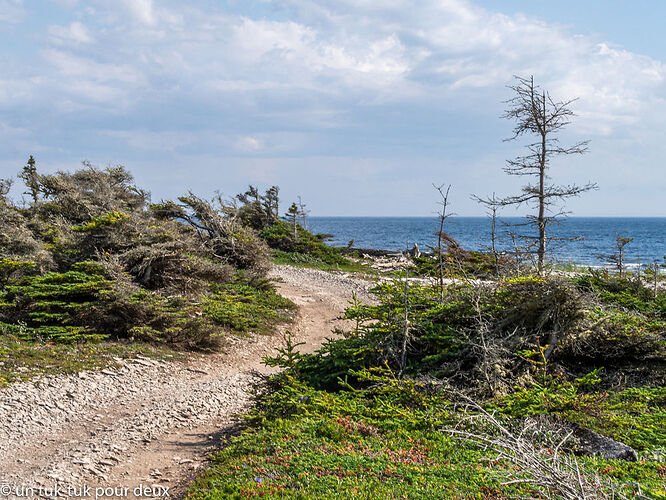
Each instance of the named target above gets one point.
<point>316,444</point>
<point>359,419</point>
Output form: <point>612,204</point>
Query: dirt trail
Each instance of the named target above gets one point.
<point>148,423</point>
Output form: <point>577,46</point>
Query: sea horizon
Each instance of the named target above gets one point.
<point>435,216</point>
<point>596,235</point>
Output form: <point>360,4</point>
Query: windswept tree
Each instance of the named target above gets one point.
<point>540,117</point>
<point>256,210</point>
<point>292,216</point>
<point>271,202</point>
<point>492,205</point>
<point>442,237</point>
<point>30,178</point>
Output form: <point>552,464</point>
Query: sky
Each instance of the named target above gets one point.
<point>358,106</point>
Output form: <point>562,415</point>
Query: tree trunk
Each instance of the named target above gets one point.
<point>541,221</point>
<point>493,238</point>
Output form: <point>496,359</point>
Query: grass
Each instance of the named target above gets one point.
<point>341,423</point>
<point>242,307</point>
<point>336,445</point>
<point>296,259</point>
<point>22,360</point>
<point>634,416</point>
<point>231,308</point>
<point>375,443</point>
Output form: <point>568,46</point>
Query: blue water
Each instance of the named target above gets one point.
<point>598,235</point>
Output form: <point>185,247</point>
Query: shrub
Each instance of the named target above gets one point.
<point>493,337</point>
<point>307,246</point>
<point>224,236</point>
<point>51,306</point>
<point>89,258</point>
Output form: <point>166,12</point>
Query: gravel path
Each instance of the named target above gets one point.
<point>148,424</point>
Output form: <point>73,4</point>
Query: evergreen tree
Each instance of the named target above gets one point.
<point>30,178</point>
<point>292,217</point>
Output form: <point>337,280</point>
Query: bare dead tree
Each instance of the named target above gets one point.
<point>405,338</point>
<point>617,258</point>
<point>304,212</point>
<point>536,455</point>
<point>538,115</point>
<point>443,215</point>
<point>492,205</point>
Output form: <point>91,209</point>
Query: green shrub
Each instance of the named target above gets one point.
<point>307,246</point>
<point>353,420</point>
<point>242,307</point>
<point>459,262</point>
<point>51,306</point>
<point>634,416</point>
<point>11,268</point>
<point>103,221</point>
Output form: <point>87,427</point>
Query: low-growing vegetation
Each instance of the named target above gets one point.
<point>22,359</point>
<point>489,390</point>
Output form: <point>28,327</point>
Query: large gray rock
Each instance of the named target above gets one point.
<point>595,444</point>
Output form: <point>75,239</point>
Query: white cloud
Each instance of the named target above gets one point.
<point>251,144</point>
<point>70,65</point>
<point>439,46</point>
<point>12,11</point>
<point>433,52</point>
<point>74,33</point>
<point>141,10</point>
<point>15,91</point>
<point>313,79</point>
<point>302,55</point>
<point>154,141</point>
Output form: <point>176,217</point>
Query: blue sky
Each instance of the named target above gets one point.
<point>356,105</point>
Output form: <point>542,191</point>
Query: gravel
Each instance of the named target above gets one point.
<point>92,421</point>
<point>73,430</point>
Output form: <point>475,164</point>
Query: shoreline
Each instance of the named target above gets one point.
<point>386,253</point>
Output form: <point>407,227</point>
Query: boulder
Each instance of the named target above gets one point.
<point>595,444</point>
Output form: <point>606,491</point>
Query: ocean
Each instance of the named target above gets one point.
<point>597,235</point>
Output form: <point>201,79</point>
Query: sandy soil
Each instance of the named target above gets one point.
<point>149,424</point>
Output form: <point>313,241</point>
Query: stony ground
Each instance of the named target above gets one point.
<point>147,423</point>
